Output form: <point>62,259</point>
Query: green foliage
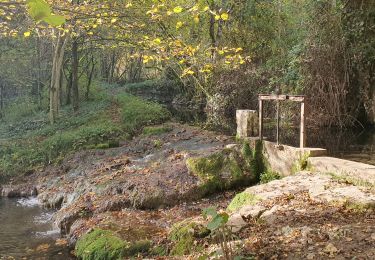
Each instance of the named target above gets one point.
<point>217,221</point>
<point>268,176</point>
<point>242,199</point>
<point>184,234</point>
<point>92,128</point>
<point>302,163</point>
<point>40,10</point>
<point>220,231</point>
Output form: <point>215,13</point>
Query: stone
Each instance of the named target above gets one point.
<point>247,123</point>
<point>236,223</point>
<point>355,171</point>
<point>310,256</point>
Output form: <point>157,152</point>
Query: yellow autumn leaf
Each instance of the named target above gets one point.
<point>113,20</point>
<point>206,8</point>
<point>157,41</point>
<point>177,9</point>
<point>27,34</point>
<point>217,17</point>
<point>179,25</point>
<point>196,19</point>
<point>128,5</point>
<point>224,16</point>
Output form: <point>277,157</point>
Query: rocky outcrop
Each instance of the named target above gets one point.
<point>149,172</point>
<point>258,202</point>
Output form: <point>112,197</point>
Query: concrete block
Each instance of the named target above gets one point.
<point>247,123</point>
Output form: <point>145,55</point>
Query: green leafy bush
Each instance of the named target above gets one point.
<point>269,176</point>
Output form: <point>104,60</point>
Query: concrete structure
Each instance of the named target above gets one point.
<point>353,171</point>
<point>247,123</point>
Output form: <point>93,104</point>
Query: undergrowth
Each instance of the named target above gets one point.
<point>28,141</point>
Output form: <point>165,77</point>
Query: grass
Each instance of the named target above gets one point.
<point>28,141</point>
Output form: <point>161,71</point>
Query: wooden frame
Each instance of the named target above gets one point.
<point>278,98</point>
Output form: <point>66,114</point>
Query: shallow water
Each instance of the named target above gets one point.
<point>26,231</point>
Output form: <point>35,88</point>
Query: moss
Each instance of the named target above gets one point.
<point>134,248</point>
<point>242,199</point>
<point>105,244</point>
<point>156,130</point>
<point>269,176</point>
<point>350,180</point>
<point>184,234</point>
<point>208,171</point>
<point>100,244</point>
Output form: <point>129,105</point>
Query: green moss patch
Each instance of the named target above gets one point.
<point>156,130</point>
<point>242,199</point>
<point>222,170</point>
<point>184,234</point>
<point>105,244</point>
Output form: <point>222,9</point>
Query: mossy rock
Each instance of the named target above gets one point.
<point>184,235</point>
<point>242,199</point>
<point>105,244</point>
<point>221,170</point>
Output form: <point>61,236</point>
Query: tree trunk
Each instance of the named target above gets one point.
<point>75,64</point>
<point>90,75</point>
<point>54,92</point>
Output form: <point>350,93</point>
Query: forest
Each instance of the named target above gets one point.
<point>121,114</point>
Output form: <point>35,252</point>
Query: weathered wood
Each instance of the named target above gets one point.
<point>260,119</point>
<point>302,130</point>
<point>296,98</point>
<point>278,98</point>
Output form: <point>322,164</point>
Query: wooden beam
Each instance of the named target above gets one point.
<point>296,98</point>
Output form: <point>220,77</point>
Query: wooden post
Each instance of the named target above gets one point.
<point>302,130</point>
<point>277,121</point>
<point>261,119</point>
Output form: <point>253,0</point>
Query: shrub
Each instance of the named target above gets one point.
<point>269,176</point>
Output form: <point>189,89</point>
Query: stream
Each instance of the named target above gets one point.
<point>26,231</point>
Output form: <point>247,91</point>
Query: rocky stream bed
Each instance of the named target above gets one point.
<point>141,189</point>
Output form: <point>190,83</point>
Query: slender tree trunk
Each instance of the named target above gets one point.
<point>54,100</point>
<point>75,64</point>
<point>39,87</point>
<point>69,89</point>
<point>90,75</point>
<point>1,99</point>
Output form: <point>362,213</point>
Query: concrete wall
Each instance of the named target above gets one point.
<point>283,158</point>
